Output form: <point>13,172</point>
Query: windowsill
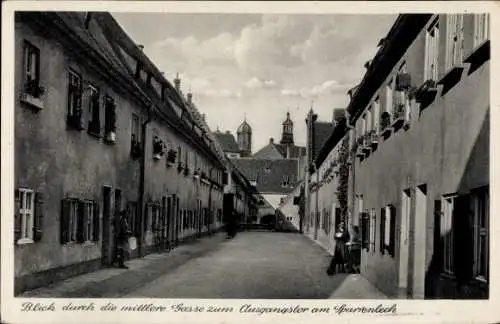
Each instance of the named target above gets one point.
<point>25,240</point>
<point>94,134</point>
<point>89,243</point>
<point>32,101</point>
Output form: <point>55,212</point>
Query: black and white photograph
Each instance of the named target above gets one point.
<point>249,155</point>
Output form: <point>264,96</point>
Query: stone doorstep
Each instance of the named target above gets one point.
<point>109,282</point>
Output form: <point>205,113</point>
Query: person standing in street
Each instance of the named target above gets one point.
<point>339,256</point>
<point>122,234</point>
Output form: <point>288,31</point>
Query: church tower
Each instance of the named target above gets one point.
<point>287,134</point>
<point>244,138</point>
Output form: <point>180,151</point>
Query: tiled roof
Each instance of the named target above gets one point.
<point>227,142</point>
<point>322,130</point>
<point>269,173</point>
<point>278,151</point>
<point>270,151</point>
<point>296,151</point>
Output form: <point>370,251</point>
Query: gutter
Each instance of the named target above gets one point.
<point>142,177</point>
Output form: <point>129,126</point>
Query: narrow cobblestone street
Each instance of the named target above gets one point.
<point>255,265</point>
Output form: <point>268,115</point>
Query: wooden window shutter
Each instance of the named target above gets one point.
<point>382,230</point>
<point>365,231</point>
<point>38,217</point>
<point>392,241</point>
<point>80,222</point>
<point>64,221</point>
<point>138,219</point>
<point>96,223</point>
<point>17,215</point>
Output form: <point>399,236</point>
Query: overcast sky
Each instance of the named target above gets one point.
<point>260,65</point>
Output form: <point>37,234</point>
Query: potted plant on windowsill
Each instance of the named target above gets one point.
<point>32,94</point>
<point>196,174</point>
<point>157,148</point>
<point>171,157</point>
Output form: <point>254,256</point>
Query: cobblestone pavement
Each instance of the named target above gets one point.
<point>254,264</point>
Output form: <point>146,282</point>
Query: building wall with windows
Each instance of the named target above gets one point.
<point>79,120</point>
<point>65,162</point>
<point>422,159</point>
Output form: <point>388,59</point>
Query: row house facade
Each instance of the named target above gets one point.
<point>414,150</point>
<point>419,142</point>
<point>99,130</point>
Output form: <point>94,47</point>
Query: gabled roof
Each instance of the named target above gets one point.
<point>270,151</point>
<point>269,173</point>
<point>227,142</point>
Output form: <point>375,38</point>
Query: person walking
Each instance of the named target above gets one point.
<point>122,233</point>
<point>339,256</point>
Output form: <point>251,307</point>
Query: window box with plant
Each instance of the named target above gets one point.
<point>158,148</point>
<point>398,115</point>
<point>171,157</point>
<point>196,174</point>
<point>426,92</point>
<point>373,138</point>
<point>385,124</point>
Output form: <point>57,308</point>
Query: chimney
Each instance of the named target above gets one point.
<point>190,98</point>
<point>271,140</point>
<point>141,47</point>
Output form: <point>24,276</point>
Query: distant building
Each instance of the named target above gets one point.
<point>228,144</point>
<point>244,137</point>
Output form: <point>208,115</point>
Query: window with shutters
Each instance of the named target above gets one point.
<point>480,209</point>
<point>94,126</point>
<point>387,230</point>
<point>365,230</point>
<point>481,28</point>
<point>446,226</point>
<point>132,216</point>
<point>432,51</point>
<point>454,40</point>
<point>74,110</point>
<point>72,225</point>
<point>26,215</point>
<point>373,229</point>
<point>136,137</point>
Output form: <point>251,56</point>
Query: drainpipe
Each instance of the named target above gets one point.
<point>353,171</point>
<point>142,178</point>
<point>210,201</point>
<point>316,198</point>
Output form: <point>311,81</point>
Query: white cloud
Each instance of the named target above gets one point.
<point>327,87</point>
<point>222,93</point>
<point>256,83</point>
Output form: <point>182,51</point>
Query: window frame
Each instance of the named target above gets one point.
<point>481,230</point>
<point>74,94</point>
<point>31,50</point>
<point>27,236</point>
<point>477,40</point>
<point>431,71</point>
<point>446,224</point>
<point>94,118</point>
